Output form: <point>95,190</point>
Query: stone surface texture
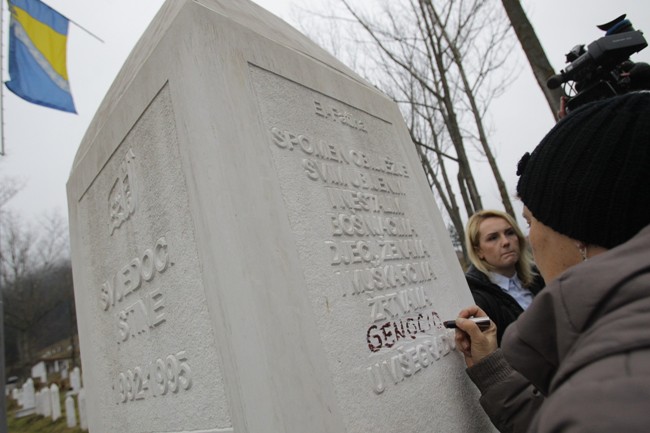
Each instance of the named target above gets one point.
<point>255,246</point>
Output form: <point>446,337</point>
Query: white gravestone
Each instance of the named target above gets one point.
<point>46,403</point>
<point>55,402</point>
<point>75,379</point>
<point>70,413</point>
<point>28,395</point>
<point>26,399</point>
<point>254,240</point>
<point>83,412</point>
<point>38,403</point>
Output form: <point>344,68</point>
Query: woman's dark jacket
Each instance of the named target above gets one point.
<point>502,308</point>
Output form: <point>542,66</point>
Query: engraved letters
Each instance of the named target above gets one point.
<point>170,374</point>
<point>121,198</point>
<point>336,153</point>
<point>142,313</point>
<point>409,360</point>
<point>142,289</point>
<point>337,115</point>
<point>138,318</point>
<point>130,277</point>
<point>389,333</point>
<point>374,249</point>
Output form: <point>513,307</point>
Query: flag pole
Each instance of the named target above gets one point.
<point>86,30</point>
<point>80,26</point>
<point>3,399</point>
<point>2,88</point>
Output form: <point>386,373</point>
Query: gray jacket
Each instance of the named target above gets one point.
<point>578,360</point>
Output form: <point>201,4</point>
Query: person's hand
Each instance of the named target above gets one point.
<point>470,340</point>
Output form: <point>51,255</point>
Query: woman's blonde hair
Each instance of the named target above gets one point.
<point>524,265</point>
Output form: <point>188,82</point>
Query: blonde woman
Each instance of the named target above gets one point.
<point>501,275</point>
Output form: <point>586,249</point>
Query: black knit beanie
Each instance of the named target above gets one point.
<point>589,177</point>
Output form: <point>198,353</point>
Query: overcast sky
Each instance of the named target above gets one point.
<point>40,143</point>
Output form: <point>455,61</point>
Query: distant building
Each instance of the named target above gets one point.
<point>55,362</point>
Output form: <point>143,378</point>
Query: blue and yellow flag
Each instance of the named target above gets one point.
<point>37,55</point>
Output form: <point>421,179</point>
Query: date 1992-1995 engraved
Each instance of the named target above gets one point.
<point>165,375</point>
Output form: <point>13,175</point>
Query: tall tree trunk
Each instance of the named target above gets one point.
<point>535,54</point>
<point>428,11</point>
<point>435,54</point>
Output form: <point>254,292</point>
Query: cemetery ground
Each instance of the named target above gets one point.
<point>38,423</point>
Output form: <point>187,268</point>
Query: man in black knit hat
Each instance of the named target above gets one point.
<point>579,358</point>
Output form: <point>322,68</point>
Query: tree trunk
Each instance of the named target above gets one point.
<point>535,54</point>
<point>478,120</point>
<point>465,176</point>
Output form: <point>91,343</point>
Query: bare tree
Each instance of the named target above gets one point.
<point>32,268</point>
<point>9,187</point>
<point>436,60</point>
<point>489,62</point>
<point>427,132</point>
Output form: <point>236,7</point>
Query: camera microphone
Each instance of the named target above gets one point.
<point>555,81</point>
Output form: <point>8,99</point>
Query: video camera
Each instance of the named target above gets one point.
<point>603,69</point>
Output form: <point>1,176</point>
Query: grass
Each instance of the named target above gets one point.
<point>38,423</point>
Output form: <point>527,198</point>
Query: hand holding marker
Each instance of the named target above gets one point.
<point>483,323</point>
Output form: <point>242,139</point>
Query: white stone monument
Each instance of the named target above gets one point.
<point>70,412</point>
<point>254,241</point>
<point>55,400</point>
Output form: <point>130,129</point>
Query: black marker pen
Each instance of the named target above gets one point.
<point>482,322</point>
